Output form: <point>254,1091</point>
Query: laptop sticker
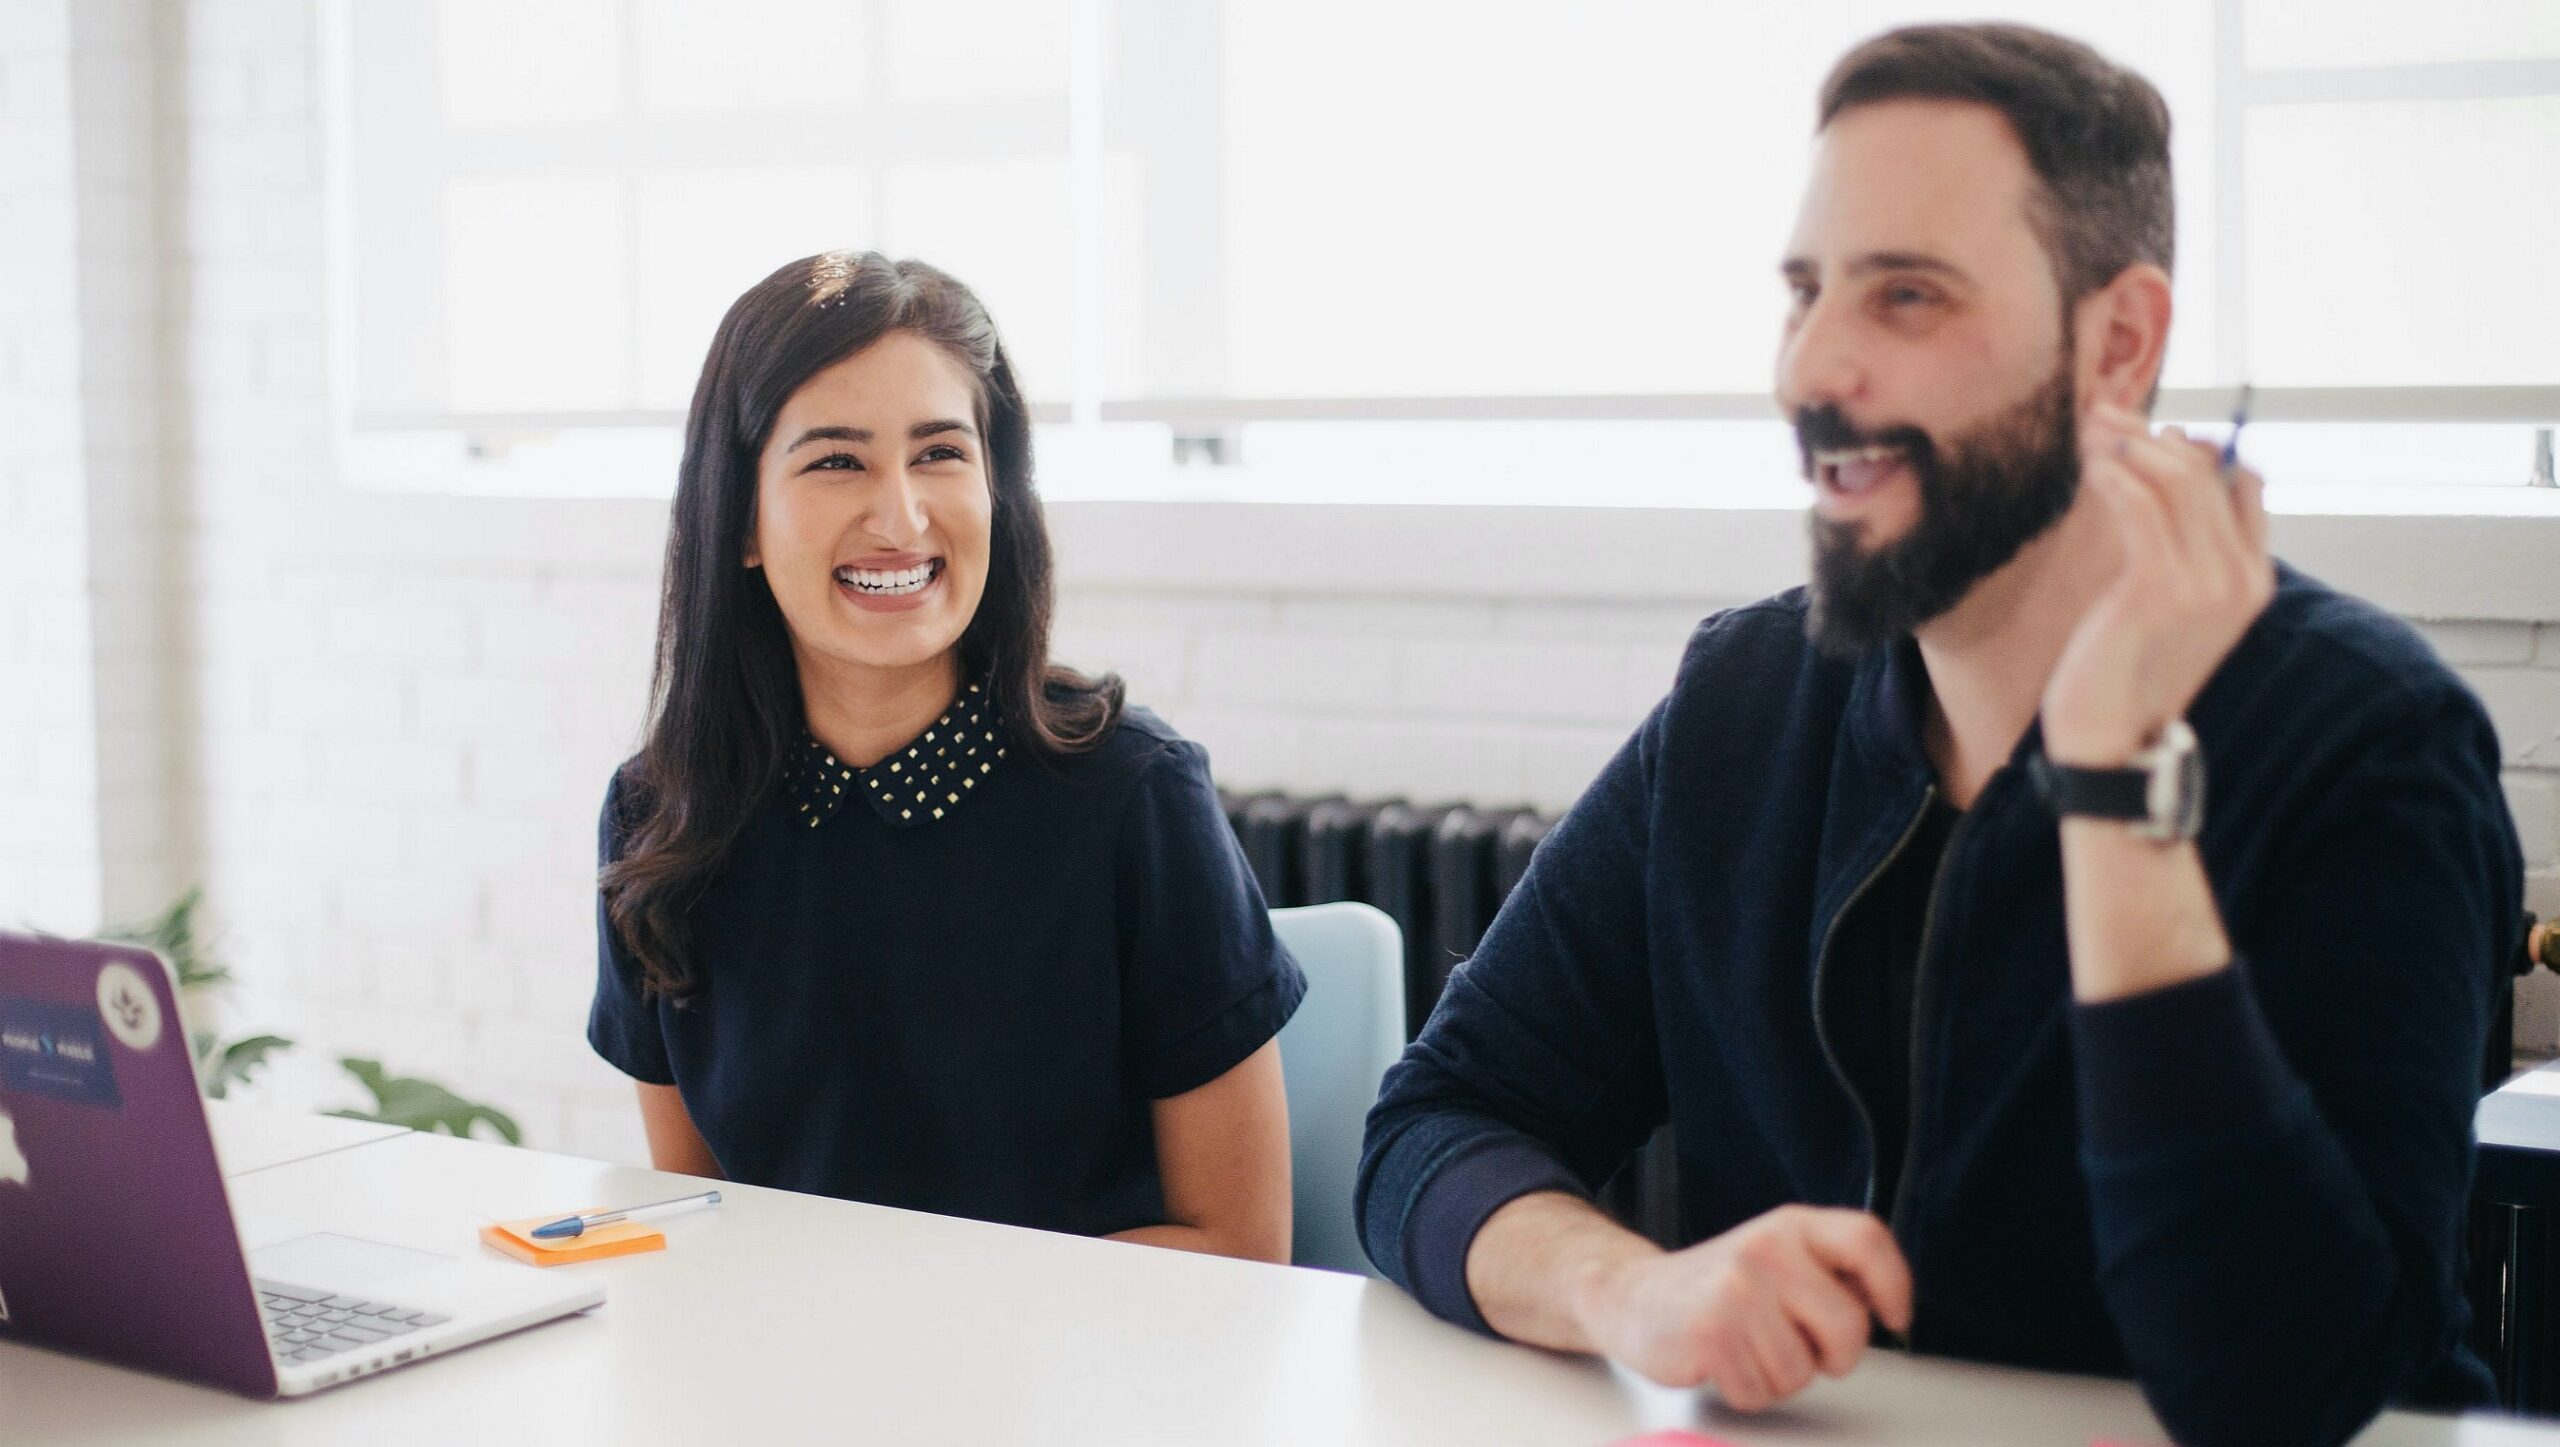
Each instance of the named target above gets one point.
<point>129,1007</point>
<point>56,1050</point>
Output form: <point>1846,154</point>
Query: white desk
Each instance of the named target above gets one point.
<point>790,1318</point>
<point>248,1138</point>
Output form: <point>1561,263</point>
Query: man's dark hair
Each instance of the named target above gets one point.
<point>2096,134</point>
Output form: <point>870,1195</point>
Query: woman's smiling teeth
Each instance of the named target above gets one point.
<point>890,582</point>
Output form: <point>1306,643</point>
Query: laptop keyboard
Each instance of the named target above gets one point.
<point>305,1325</point>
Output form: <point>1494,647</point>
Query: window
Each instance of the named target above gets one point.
<point>550,217</point>
<point>1410,248</point>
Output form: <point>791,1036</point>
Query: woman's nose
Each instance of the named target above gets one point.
<point>897,513</point>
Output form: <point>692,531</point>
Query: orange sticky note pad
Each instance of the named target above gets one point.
<point>515,1238</point>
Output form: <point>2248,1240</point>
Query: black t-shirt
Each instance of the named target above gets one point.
<point>1879,963</point>
<point>955,981</point>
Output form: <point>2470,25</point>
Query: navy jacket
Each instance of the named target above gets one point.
<point>2247,1192</point>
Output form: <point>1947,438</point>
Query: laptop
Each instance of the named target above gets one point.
<point>117,1239</point>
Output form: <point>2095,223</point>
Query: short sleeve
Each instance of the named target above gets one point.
<point>1204,982</point>
<point>621,1025</point>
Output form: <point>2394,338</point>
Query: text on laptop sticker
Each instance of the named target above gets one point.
<point>55,1050</point>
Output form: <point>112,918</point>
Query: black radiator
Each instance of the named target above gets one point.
<point>1441,872</point>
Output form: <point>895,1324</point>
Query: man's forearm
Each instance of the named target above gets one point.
<point>2232,1228</point>
<point>1538,1262</point>
<point>2229,1219</point>
<point>2140,914</point>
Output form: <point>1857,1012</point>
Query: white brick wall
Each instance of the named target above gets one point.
<point>394,754</point>
<point>90,766</point>
<point>128,154</point>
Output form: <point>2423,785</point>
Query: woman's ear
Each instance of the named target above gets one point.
<point>2124,336</point>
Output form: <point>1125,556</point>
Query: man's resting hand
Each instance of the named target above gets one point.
<point>1756,1311</point>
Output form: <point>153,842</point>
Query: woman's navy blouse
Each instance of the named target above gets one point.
<point>954,981</point>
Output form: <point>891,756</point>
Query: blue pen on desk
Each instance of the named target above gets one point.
<point>568,1226</point>
<point>2231,444</point>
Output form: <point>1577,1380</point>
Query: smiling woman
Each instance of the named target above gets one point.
<point>1026,975</point>
<point>771,460</point>
<point>873,526</point>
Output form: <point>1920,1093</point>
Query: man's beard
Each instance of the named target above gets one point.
<point>1990,493</point>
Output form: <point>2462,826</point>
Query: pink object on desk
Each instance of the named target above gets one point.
<point>1674,1437</point>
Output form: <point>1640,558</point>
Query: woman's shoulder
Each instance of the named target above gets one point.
<point>620,809</point>
<point>1143,731</point>
<point>1141,751</point>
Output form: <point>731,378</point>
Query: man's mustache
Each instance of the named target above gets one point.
<point>1828,429</point>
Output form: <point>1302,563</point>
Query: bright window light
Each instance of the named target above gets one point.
<point>1418,213</point>
<point>2436,225</point>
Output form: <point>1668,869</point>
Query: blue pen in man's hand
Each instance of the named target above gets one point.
<point>569,1226</point>
<point>2231,444</point>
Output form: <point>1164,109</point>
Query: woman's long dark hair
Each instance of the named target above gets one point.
<point>725,706</point>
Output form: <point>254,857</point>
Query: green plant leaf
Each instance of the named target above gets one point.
<point>239,1060</point>
<point>172,934</point>
<point>423,1104</point>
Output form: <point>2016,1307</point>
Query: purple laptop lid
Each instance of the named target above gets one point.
<point>116,1237</point>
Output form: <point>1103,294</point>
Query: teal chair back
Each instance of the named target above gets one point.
<point>1346,1033</point>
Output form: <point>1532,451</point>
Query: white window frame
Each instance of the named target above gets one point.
<point>1182,318</point>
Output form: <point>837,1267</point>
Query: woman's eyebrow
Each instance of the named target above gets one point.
<point>829,434</point>
<point>937,427</point>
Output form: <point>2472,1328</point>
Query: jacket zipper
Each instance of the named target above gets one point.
<point>1894,1220</point>
<point>1822,958</point>
<point>1919,1015</point>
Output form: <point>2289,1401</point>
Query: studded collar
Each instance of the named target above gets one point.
<point>913,785</point>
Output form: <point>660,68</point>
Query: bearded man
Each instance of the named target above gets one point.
<point>2060,935</point>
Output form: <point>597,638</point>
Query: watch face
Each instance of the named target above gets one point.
<point>2190,818</point>
<point>2175,792</point>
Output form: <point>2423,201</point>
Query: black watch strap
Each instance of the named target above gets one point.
<point>2093,793</point>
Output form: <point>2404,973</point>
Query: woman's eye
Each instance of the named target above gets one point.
<point>837,462</point>
<point>1905,296</point>
<point>943,452</point>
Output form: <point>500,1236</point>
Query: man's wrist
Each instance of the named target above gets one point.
<point>1595,1296</point>
<point>1543,1269</point>
<point>1599,1286</point>
<point>2158,791</point>
<point>2088,747</point>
